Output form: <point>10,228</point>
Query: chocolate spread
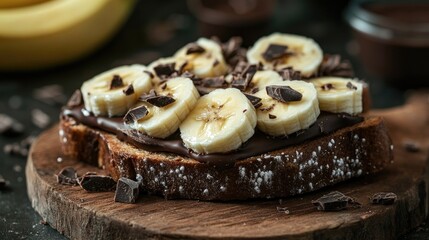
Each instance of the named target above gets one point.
<point>258,144</point>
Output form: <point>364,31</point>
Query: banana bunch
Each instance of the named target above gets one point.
<point>113,92</point>
<point>278,51</point>
<point>37,34</point>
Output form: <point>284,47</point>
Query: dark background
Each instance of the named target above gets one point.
<point>155,29</point>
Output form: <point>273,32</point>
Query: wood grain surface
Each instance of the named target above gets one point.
<point>81,215</point>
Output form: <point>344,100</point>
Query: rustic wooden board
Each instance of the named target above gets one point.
<point>81,215</point>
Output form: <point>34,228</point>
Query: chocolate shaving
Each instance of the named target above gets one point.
<point>215,63</point>
<point>275,51</point>
<point>411,146</point>
<point>67,176</point>
<point>127,191</point>
<point>245,78</point>
<point>255,101</point>
<point>384,198</point>
<point>160,101</point>
<point>116,82</point>
<point>76,99</point>
<point>327,87</point>
<point>194,48</point>
<point>214,82</point>
<point>333,65</point>
<point>232,51</point>
<point>271,116</point>
<point>334,201</point>
<point>135,114</point>
<point>165,70</point>
<point>97,183</point>
<point>129,90</point>
<point>289,74</point>
<point>181,69</point>
<point>351,86</point>
<point>283,93</point>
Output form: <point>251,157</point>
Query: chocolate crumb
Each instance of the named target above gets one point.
<point>327,87</point>
<point>411,146</point>
<point>283,93</point>
<point>245,110</point>
<point>241,82</point>
<point>160,101</point>
<point>334,201</point>
<point>76,99</point>
<point>181,69</point>
<point>255,101</point>
<point>164,86</point>
<point>97,183</point>
<point>67,176</point>
<point>116,82</point>
<point>351,86</point>
<point>215,82</point>
<point>127,191</point>
<point>275,51</point>
<point>194,48</point>
<point>40,118</point>
<point>333,65</point>
<point>129,90</point>
<point>135,114</point>
<point>163,70</point>
<point>254,90</point>
<point>384,198</point>
<point>271,116</point>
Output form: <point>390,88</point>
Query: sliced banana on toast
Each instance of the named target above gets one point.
<point>339,95</point>
<point>278,51</point>
<point>203,58</point>
<point>220,122</point>
<point>159,113</point>
<point>287,107</point>
<point>113,92</point>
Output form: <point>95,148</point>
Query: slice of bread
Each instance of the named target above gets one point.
<point>364,148</point>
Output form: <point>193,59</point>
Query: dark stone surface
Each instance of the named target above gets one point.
<point>155,29</point>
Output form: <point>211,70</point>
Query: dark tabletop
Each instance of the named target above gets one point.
<point>155,29</point>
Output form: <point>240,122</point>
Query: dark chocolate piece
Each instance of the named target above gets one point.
<point>163,70</point>
<point>76,99</point>
<point>271,116</point>
<point>283,93</point>
<point>290,74</point>
<point>127,190</point>
<point>334,201</point>
<point>67,176</point>
<point>9,126</point>
<point>245,78</point>
<point>129,90</point>
<point>51,95</point>
<point>215,82</point>
<point>411,146</point>
<point>194,48</point>
<point>327,87</point>
<point>255,101</point>
<point>351,86</point>
<point>135,114</point>
<point>116,82</point>
<point>97,183</point>
<point>160,101</point>
<point>275,51</point>
<point>40,118</point>
<point>333,65</point>
<point>384,198</point>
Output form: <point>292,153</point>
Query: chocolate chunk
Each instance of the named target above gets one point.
<point>116,82</point>
<point>245,78</point>
<point>384,198</point>
<point>290,74</point>
<point>232,51</point>
<point>333,65</point>
<point>129,90</point>
<point>215,82</point>
<point>40,118</point>
<point>9,126</point>
<point>271,116</point>
<point>283,93</point>
<point>50,94</point>
<point>97,183</point>
<point>135,114</point>
<point>275,51</point>
<point>2,183</point>
<point>333,201</point>
<point>127,190</point>
<point>194,48</point>
<point>255,101</point>
<point>411,146</point>
<point>67,176</point>
<point>156,100</point>
<point>327,87</point>
<point>163,70</point>
<point>76,99</point>
<point>351,86</point>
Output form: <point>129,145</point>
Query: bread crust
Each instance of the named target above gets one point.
<point>362,149</point>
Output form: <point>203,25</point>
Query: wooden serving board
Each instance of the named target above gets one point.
<point>81,215</point>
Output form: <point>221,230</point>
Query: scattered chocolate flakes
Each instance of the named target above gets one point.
<point>135,114</point>
<point>289,74</point>
<point>67,176</point>
<point>255,101</point>
<point>51,95</point>
<point>164,70</point>
<point>129,90</point>
<point>283,93</point>
<point>351,86</point>
<point>116,82</point>
<point>333,65</point>
<point>275,51</point>
<point>40,118</point>
<point>2,183</point>
<point>194,48</point>
<point>271,116</point>
<point>232,51</point>
<point>241,82</point>
<point>9,126</point>
<point>327,87</point>
<point>76,99</point>
<point>411,146</point>
<point>334,201</point>
<point>384,198</point>
<point>127,190</point>
<point>97,183</point>
<point>215,82</point>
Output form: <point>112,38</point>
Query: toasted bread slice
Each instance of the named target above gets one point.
<point>362,149</point>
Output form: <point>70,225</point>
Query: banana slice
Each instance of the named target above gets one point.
<point>285,111</point>
<point>261,79</point>
<point>220,122</point>
<point>278,51</point>
<point>113,92</point>
<point>204,58</point>
<point>161,122</point>
<point>339,95</point>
